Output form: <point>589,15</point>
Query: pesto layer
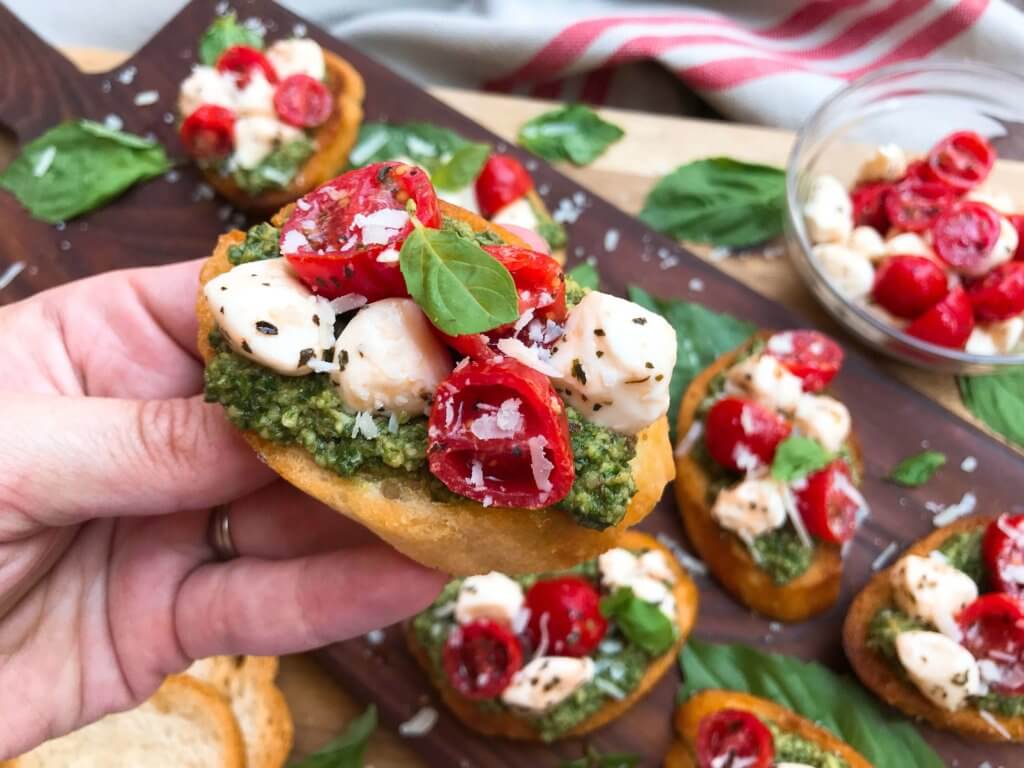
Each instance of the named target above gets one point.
<point>793,748</point>
<point>276,171</point>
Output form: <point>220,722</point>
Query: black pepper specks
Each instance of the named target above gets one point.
<point>640,320</point>
<point>599,353</point>
<point>638,381</point>
<point>344,360</point>
<point>648,365</point>
<point>316,320</point>
<point>305,356</point>
<point>246,347</point>
<point>599,331</point>
<point>267,329</point>
<point>659,377</point>
<point>577,371</point>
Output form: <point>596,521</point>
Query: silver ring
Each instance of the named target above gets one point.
<point>219,534</point>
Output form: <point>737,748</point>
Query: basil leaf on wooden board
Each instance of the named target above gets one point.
<point>586,275</point>
<point>797,457</point>
<point>427,145</point>
<point>575,133</point>
<point>224,33</point>
<point>702,337</point>
<point>813,691</point>
<point>457,284</point>
<point>719,201</point>
<point>918,469</point>
<point>347,750</point>
<point>998,401</point>
<point>462,168</point>
<point>641,622</point>
<point>78,166</point>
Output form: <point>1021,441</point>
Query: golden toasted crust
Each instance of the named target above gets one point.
<point>510,726</point>
<point>726,556</point>
<point>461,538</point>
<point>697,707</point>
<point>333,140</point>
<point>878,674</point>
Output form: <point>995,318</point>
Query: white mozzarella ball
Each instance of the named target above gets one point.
<point>205,85</point>
<point>297,56</point>
<point>848,270</point>
<point>909,243</point>
<point>997,338</point>
<point>766,380</point>
<point>256,99</point>
<point>828,212</point>
<point>257,137</point>
<point>751,508</point>
<point>491,596</point>
<point>824,419</point>
<point>932,591</point>
<point>942,669</point>
<point>868,241</point>
<point>618,568</point>
<point>888,163</point>
<point>547,681</point>
<point>654,564</point>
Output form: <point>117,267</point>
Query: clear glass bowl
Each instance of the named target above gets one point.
<point>912,105</point>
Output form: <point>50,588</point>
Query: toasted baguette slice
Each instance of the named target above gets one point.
<point>510,726</point>
<point>461,538</point>
<point>682,753</point>
<point>185,724</point>
<point>728,558</point>
<point>880,676</point>
<point>247,682</point>
<point>333,140</point>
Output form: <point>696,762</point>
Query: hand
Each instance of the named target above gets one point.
<point>109,463</point>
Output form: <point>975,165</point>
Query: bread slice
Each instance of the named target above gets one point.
<point>333,140</point>
<point>510,726</point>
<point>463,537</point>
<point>682,753</point>
<point>247,682</point>
<point>880,676</point>
<point>185,724</point>
<point>728,558</point>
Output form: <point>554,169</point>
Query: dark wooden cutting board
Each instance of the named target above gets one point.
<point>174,218</point>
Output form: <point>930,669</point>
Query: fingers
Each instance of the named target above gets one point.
<point>528,236</point>
<point>261,607</point>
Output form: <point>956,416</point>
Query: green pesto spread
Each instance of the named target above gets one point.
<point>793,748</point>
<point>548,228</point>
<point>782,554</point>
<point>963,552</point>
<point>275,171</point>
<point>261,242</point>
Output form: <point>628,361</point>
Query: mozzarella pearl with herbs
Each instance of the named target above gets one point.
<point>648,576</point>
<point>824,419</point>
<point>764,379</point>
<point>828,212</point>
<point>932,591</point>
<point>847,269</point>
<point>943,670</point>
<point>256,137</point>
<point>997,338</point>
<point>547,681</point>
<point>297,56</point>
<point>751,508</point>
<point>490,596</point>
<point>888,163</point>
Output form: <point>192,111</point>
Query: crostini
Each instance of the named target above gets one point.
<point>718,729</point>
<point>940,634</point>
<point>266,126</point>
<point>767,472</point>
<point>524,448</point>
<point>556,655</point>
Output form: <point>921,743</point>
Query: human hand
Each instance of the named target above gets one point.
<point>109,464</point>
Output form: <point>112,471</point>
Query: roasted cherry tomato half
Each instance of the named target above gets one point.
<point>907,285</point>
<point>962,160</point>
<point>734,737</point>
<point>999,295</point>
<point>565,616</point>
<point>828,503</point>
<point>993,630</point>
<point>498,434</point>
<point>742,434</point>
<point>868,200</point>
<point>303,101</point>
<point>947,324</point>
<point>345,235</point>
<point>913,205</point>
<point>965,235</point>
<point>810,355</point>
<point>1003,552</point>
<point>502,180</point>
<point>209,132</point>
<point>918,171</point>
<point>1017,220</point>
<point>242,62</point>
<point>480,658</point>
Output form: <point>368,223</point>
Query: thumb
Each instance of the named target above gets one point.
<point>67,459</point>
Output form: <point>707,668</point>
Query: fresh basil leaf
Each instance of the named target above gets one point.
<point>223,33</point>
<point>641,622</point>
<point>797,457</point>
<point>427,145</point>
<point>998,400</point>
<point>702,336</point>
<point>586,275</point>
<point>347,750</point>
<point>575,133</point>
<point>460,287</point>
<point>463,167</point>
<point>917,470</point>
<point>719,201</point>
<point>813,691</point>
<point>78,166</point>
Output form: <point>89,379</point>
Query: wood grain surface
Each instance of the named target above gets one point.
<point>163,221</point>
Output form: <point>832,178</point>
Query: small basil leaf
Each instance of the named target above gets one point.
<point>463,167</point>
<point>575,133</point>
<point>641,622</point>
<point>347,750</point>
<point>797,457</point>
<point>998,400</point>
<point>586,275</point>
<point>224,33</point>
<point>425,144</point>
<point>917,470</point>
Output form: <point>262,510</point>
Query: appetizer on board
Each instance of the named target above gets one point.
<point>924,246</point>
<point>767,473</point>
<point>723,729</point>
<point>558,654</point>
<point>940,633</point>
<point>331,337</point>
<point>266,124</point>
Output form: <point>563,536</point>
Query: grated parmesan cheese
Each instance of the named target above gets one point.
<point>539,463</point>
<point>996,726</point>
<point>690,439</point>
<point>346,303</point>
<point>146,98</point>
<point>365,425</point>
<point>884,556</point>
<point>8,275</point>
<point>43,161</point>
<point>419,724</point>
<point>946,515</point>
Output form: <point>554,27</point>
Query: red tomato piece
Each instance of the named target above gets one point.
<point>733,737</point>
<point>565,616</point>
<point>243,61</point>
<point>810,355</point>
<point>303,101</point>
<point>1003,552</point>
<point>965,235</point>
<point>999,295</point>
<point>993,630</point>
<point>502,180</point>
<point>947,324</point>
<point>1017,220</point>
<point>919,171</point>
<point>742,434</point>
<point>829,503</point>
<point>869,204</point>
<point>907,285</point>
<point>913,205</point>
<point>209,132</point>
<point>345,235</point>
<point>498,434</point>
<point>962,160</point>
<point>480,658</point>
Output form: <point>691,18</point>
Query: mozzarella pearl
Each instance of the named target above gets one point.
<point>257,137</point>
<point>518,213</point>
<point>996,338</point>
<point>932,591</point>
<point>848,270</point>
<point>942,669</point>
<point>828,212</point>
<point>867,241</point>
<point>909,243</point>
<point>490,596</point>
<point>547,681</point>
<point>824,419</point>
<point>767,381</point>
<point>751,508</point>
<point>205,85</point>
<point>888,163</point>
<point>257,98</point>
<point>297,56</point>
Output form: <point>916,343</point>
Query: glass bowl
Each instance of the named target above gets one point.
<point>912,105</point>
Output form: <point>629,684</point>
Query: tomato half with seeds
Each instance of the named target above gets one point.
<point>242,62</point>
<point>907,285</point>
<point>965,235</point>
<point>810,355</point>
<point>993,631</point>
<point>734,737</point>
<point>480,658</point>
<point>962,160</point>
<point>742,434</point>
<point>502,180</point>
<point>999,295</point>
<point>1002,549</point>
<point>868,200</point>
<point>828,503</point>
<point>947,324</point>
<point>918,171</point>
<point>209,132</point>
<point>565,616</point>
<point>498,434</point>
<point>913,205</point>
<point>345,235</point>
<point>303,101</point>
